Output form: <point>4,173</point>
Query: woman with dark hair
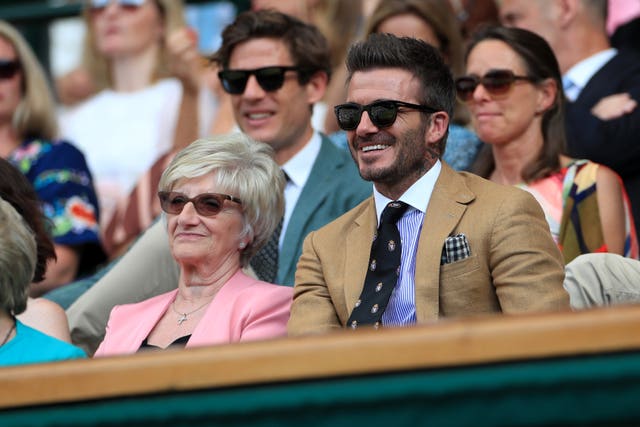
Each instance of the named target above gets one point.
<point>41,314</point>
<point>514,92</point>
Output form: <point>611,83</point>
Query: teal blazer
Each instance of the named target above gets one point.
<point>333,188</point>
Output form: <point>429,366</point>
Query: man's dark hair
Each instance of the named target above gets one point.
<point>413,55</point>
<point>308,48</point>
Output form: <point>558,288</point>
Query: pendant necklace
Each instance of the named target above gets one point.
<point>6,337</point>
<point>184,316</point>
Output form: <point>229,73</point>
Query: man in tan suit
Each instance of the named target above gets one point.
<point>468,246</point>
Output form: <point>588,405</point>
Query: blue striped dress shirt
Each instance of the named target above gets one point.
<point>401,309</point>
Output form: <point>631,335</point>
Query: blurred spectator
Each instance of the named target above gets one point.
<point>473,13</point>
<point>41,314</point>
<point>56,169</point>
<point>131,54</point>
<point>601,84</point>
<point>19,343</point>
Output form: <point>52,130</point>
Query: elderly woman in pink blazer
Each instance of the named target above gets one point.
<point>223,198</point>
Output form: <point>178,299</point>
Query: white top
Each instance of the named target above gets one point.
<point>123,133</point>
<point>298,169</point>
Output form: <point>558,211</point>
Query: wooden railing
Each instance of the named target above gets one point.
<point>452,343</point>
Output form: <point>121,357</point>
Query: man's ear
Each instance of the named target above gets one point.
<point>437,127</point>
<point>317,86</point>
<point>567,11</point>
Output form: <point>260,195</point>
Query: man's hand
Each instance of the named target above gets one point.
<point>614,106</point>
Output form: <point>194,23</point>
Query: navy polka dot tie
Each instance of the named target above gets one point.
<point>265,261</point>
<point>384,269</point>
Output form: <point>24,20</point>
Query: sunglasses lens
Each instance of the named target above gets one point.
<point>8,69</point>
<point>208,205</point>
<point>465,86</point>
<point>205,204</point>
<point>348,116</point>
<point>131,3</point>
<point>498,82</point>
<point>172,203</point>
<point>383,114</point>
<point>271,78</point>
<point>98,5</point>
<point>234,81</point>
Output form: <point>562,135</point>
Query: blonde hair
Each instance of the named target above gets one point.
<point>172,13</point>
<point>17,259</point>
<point>35,116</point>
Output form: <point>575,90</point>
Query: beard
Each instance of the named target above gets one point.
<point>412,157</point>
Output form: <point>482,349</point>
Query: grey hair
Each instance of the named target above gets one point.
<point>244,169</point>
<point>17,259</point>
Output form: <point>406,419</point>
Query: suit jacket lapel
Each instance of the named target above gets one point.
<point>447,205</point>
<point>312,196</point>
<point>149,317</point>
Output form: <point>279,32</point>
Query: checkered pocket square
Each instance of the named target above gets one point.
<point>456,248</point>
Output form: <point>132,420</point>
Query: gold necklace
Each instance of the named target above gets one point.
<point>6,337</point>
<point>183,316</point>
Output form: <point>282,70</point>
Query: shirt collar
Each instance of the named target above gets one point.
<point>298,168</point>
<point>582,72</point>
<point>415,195</point>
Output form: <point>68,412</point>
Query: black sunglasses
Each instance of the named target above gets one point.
<point>496,82</point>
<point>8,68</point>
<point>381,113</point>
<point>99,5</point>
<point>206,204</point>
<point>269,78</point>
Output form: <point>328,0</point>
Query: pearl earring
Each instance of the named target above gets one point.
<point>242,245</point>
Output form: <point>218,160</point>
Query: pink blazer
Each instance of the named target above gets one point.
<point>244,309</point>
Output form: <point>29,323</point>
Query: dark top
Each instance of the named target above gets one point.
<point>178,343</point>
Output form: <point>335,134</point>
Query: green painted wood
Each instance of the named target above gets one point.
<point>601,390</point>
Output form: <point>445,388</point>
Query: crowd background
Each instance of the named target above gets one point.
<point>201,107</point>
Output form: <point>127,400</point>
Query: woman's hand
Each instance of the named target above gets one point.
<point>185,61</point>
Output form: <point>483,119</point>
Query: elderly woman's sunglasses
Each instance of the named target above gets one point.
<point>98,5</point>
<point>381,113</point>
<point>206,204</point>
<point>496,82</point>
<point>8,68</point>
<point>269,78</point>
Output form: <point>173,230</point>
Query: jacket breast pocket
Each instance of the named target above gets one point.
<point>459,268</point>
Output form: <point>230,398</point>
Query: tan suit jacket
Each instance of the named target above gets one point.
<point>514,267</point>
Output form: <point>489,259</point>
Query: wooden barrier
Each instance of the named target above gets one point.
<point>548,343</point>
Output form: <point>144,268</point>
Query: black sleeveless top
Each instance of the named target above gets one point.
<point>178,343</point>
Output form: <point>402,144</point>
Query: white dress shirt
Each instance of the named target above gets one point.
<point>298,169</point>
<point>579,75</point>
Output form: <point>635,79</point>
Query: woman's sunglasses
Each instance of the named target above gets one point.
<point>99,5</point>
<point>269,78</point>
<point>206,204</point>
<point>496,82</point>
<point>381,113</point>
<point>8,68</point>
